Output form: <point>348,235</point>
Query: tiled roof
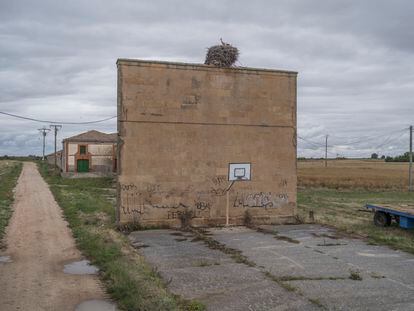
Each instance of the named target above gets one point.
<point>94,136</point>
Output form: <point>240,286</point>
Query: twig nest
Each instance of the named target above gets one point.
<point>224,55</point>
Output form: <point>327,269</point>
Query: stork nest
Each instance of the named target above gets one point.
<point>224,55</point>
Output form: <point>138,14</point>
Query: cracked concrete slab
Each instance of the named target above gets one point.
<point>295,267</point>
<point>194,271</point>
<point>319,252</point>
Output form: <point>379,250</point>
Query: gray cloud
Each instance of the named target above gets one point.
<point>355,61</point>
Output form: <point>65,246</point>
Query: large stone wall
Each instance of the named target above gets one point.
<point>180,125</point>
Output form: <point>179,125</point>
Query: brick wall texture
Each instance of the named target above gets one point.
<point>180,125</point>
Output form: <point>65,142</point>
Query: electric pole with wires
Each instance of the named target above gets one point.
<point>56,128</point>
<point>326,150</point>
<point>44,133</point>
<point>410,172</point>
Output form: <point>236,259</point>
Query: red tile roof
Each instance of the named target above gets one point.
<point>94,136</point>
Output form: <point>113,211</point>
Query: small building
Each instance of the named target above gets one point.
<point>207,145</point>
<point>89,152</point>
<point>51,158</point>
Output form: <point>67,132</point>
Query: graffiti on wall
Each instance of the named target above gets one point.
<point>260,199</point>
<point>172,203</point>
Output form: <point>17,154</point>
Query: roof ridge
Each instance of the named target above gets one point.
<point>92,136</point>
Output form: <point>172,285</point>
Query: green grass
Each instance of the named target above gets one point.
<point>354,275</point>
<point>344,210</point>
<point>88,206</point>
<point>9,173</point>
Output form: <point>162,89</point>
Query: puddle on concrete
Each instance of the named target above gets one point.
<point>80,267</point>
<point>5,259</point>
<point>95,305</point>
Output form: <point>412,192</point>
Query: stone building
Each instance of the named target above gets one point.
<point>90,152</point>
<point>205,144</point>
<point>51,158</point>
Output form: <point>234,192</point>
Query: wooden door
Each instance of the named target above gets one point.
<point>83,166</point>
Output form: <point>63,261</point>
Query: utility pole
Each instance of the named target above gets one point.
<point>326,150</point>
<point>56,129</point>
<point>44,132</point>
<point>410,173</point>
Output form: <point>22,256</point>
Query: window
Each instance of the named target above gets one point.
<point>82,149</point>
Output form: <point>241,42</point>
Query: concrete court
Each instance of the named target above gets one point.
<point>314,261</point>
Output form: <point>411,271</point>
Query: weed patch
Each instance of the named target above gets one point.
<point>354,275</point>
<point>235,254</point>
<point>181,240</point>
<point>286,238</point>
<point>247,219</point>
<point>276,235</point>
<point>307,278</point>
<point>177,233</point>
<point>377,276</point>
<point>9,173</point>
<point>340,209</point>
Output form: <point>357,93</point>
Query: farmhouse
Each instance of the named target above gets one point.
<point>203,144</point>
<point>92,151</point>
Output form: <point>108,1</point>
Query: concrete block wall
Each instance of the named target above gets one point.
<point>180,125</point>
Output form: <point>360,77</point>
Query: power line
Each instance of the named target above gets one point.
<point>389,139</point>
<point>370,138</point>
<point>53,122</point>
<point>326,150</point>
<point>364,136</point>
<point>56,128</point>
<point>311,142</point>
<point>362,140</point>
<point>410,167</point>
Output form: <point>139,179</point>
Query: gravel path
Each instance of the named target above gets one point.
<point>39,245</point>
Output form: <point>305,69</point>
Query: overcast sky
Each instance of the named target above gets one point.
<point>355,61</point>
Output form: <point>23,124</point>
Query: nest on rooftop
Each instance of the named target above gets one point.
<point>223,55</point>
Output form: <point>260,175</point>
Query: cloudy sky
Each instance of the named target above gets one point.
<point>355,61</point>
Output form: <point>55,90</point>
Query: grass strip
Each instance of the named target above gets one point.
<point>342,210</point>
<point>9,173</point>
<point>88,207</point>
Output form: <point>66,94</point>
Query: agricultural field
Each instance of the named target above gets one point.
<point>337,196</point>
<point>9,173</point>
<point>353,174</point>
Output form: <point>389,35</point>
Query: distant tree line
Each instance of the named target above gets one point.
<point>30,157</point>
<point>400,158</point>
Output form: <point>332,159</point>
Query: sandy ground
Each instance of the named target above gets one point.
<point>39,244</point>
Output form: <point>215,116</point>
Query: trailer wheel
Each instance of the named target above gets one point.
<point>382,219</point>
<point>397,219</point>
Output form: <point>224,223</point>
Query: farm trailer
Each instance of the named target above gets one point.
<point>401,214</point>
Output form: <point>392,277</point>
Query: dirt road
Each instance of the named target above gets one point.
<point>39,243</point>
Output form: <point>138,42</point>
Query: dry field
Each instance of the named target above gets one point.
<point>338,193</point>
<point>353,174</point>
